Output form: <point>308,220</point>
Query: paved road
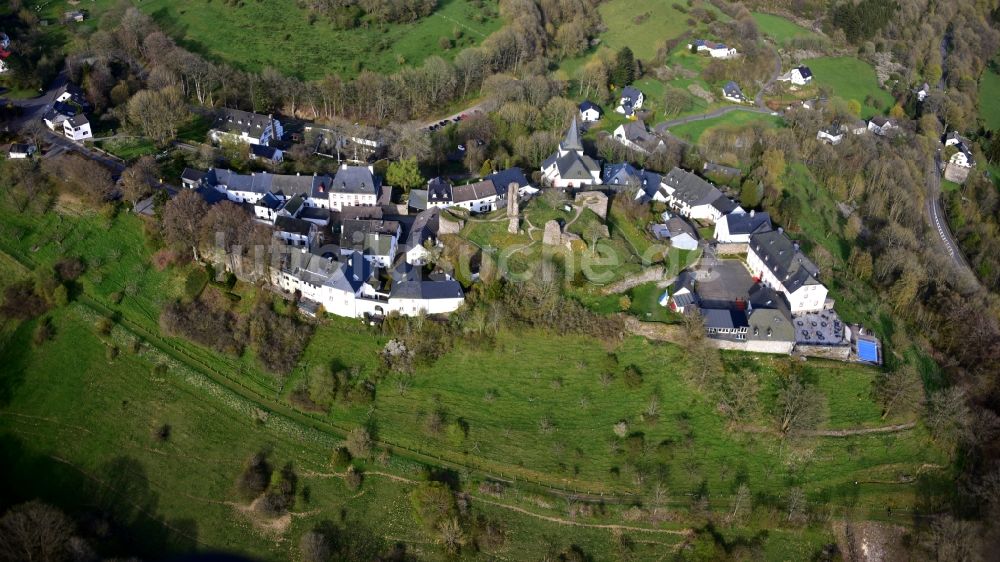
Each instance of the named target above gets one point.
<point>759,98</point>
<point>477,108</point>
<point>938,221</point>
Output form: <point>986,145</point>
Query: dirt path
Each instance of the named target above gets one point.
<point>560,521</point>
<point>648,276</point>
<point>656,331</point>
<point>833,432</point>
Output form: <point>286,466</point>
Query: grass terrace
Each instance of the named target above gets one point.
<point>694,130</point>
<point>780,29</point>
<point>852,79</point>
<point>283,35</point>
<point>989,99</point>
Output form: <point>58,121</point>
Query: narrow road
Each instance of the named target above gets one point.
<point>759,98</point>
<point>938,221</point>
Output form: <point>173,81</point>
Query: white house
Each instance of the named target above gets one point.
<point>923,92</point>
<point>590,112</point>
<point>682,293</point>
<point>423,230</point>
<point>295,232</point>
<point>354,186</point>
<point>695,198</point>
<point>482,196</point>
<point>3,66</point>
<point>375,239</point>
<point>732,92</point>
<point>959,157</point>
<point>682,235</point>
<point>882,126</point>
<point>832,134</point>
<point>77,128</point>
<point>798,76</point>
<point>630,101</point>
<point>569,167</point>
<point>715,50</point>
<point>737,228</point>
<point>21,151</point>
<point>57,114</point>
<point>70,93</point>
<point>349,287</point>
<point>779,264</point>
<point>633,134</point>
<point>243,126</point>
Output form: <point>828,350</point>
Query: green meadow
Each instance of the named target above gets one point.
<point>780,29</point>
<point>694,130</point>
<point>852,79</point>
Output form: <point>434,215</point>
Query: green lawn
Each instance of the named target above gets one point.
<point>852,79</point>
<point>72,415</point>
<point>779,28</point>
<point>989,99</point>
<point>128,149</point>
<point>692,131</point>
<point>641,25</point>
<point>279,34</point>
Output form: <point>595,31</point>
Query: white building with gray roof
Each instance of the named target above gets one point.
<point>569,167</point>
<point>777,262</point>
<point>696,198</point>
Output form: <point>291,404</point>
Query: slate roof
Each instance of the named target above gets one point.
<point>263,182</point>
<point>732,89</point>
<point>20,148</point>
<point>571,141</point>
<point>270,201</point>
<point>424,226</point>
<point>211,195</point>
<point>237,121</point>
<point>677,226</point>
<point>504,178</point>
<point>315,213</point>
<point>293,225</point>
<point>439,189</point>
<point>724,318</point>
<point>621,174</point>
<point>418,199</point>
<point>369,236</point>
<point>356,179</point>
<point>474,191</point>
<point>410,283</point>
<point>78,120</point>
<point>745,223</point>
<point>720,169</point>
<point>587,104</point>
<point>293,205</point>
<point>635,131</point>
<point>631,93</point>
<point>267,152</point>
<point>192,175</point>
<point>692,190</point>
<point>784,259</point>
<point>573,165</point>
<point>805,72</point>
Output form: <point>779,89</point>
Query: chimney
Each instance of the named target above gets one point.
<point>780,230</point>
<point>751,213</point>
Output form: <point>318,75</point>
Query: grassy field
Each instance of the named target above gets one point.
<point>640,25</point>
<point>779,28</point>
<point>851,79</point>
<point>283,37</point>
<point>692,131</point>
<point>989,99</point>
<point>533,403</point>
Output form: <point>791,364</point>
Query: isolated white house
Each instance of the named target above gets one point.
<point>798,76</point>
<point>590,112</point>
<point>881,126</point>
<point>631,100</point>
<point>77,128</point>
<point>21,151</point>
<point>731,91</point>
<point>715,50</point>
<point>832,134</point>
<point>634,135</point>
<point>923,92</point>
<point>779,264</point>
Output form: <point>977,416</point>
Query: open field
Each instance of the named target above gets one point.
<point>640,25</point>
<point>284,37</point>
<point>692,131</point>
<point>989,99</point>
<point>851,79</point>
<point>779,28</point>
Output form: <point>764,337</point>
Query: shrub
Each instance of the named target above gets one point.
<point>43,331</point>
<point>359,443</point>
<point>341,458</point>
<point>256,476</point>
<point>353,478</point>
<point>162,433</point>
<point>104,326</point>
<point>632,376</point>
<point>21,301</point>
<point>69,269</point>
<point>112,352</point>
<point>163,259</point>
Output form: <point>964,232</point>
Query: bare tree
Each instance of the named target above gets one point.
<point>797,506</point>
<point>137,179</point>
<point>35,531</point>
<point>182,218</point>
<point>798,405</point>
<point>157,114</point>
<point>899,391</point>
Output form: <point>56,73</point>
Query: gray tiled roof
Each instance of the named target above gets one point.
<point>783,258</point>
<point>293,225</point>
<point>621,174</point>
<point>572,139</point>
<point>746,223</point>
<point>356,179</point>
<point>237,121</point>
<point>691,189</point>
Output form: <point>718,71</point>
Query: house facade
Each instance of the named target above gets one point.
<point>590,112</point>
<point>882,126</point>
<point>732,92</point>
<point>832,134</point>
<point>799,76</point>
<point>375,239</point>
<point>779,264</point>
<point>77,128</point>
<point>695,198</point>
<point>630,101</point>
<point>715,50</point>
<point>353,186</point>
<point>246,127</point>
<point>479,197</point>
<point>737,228</point>
<point>634,135</point>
